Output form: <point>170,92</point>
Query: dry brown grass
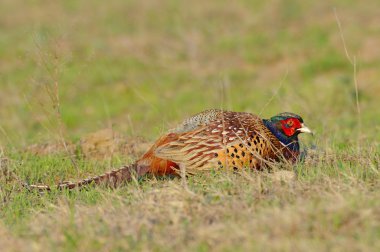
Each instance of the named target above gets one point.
<point>226,212</point>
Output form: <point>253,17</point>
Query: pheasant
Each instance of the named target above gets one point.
<point>212,139</point>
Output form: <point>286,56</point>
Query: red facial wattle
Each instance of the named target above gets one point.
<point>290,125</point>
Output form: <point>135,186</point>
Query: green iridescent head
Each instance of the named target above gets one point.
<point>289,124</point>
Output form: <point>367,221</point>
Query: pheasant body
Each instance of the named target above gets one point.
<point>221,139</point>
<point>214,139</point>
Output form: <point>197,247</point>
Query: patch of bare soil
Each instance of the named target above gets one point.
<point>99,145</point>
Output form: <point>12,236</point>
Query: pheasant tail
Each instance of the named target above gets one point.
<point>112,178</point>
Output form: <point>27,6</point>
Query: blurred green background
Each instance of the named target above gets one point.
<point>142,66</point>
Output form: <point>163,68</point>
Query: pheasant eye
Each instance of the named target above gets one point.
<point>290,123</point>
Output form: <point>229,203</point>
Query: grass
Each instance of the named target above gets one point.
<point>140,68</point>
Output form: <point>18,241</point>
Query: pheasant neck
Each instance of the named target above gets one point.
<point>290,142</point>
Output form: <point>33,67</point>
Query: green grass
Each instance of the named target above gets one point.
<point>140,67</point>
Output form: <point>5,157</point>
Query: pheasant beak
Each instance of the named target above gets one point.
<point>305,129</point>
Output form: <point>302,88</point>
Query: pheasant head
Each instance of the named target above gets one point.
<point>286,127</point>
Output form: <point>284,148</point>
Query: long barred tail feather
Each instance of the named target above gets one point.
<point>112,179</point>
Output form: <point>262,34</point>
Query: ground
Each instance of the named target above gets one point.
<point>87,86</point>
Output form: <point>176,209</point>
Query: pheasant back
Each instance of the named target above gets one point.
<point>221,139</point>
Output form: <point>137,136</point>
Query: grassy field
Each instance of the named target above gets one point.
<point>87,85</point>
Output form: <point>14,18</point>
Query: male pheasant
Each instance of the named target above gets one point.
<point>213,139</point>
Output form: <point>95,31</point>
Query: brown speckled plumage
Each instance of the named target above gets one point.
<point>221,139</point>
